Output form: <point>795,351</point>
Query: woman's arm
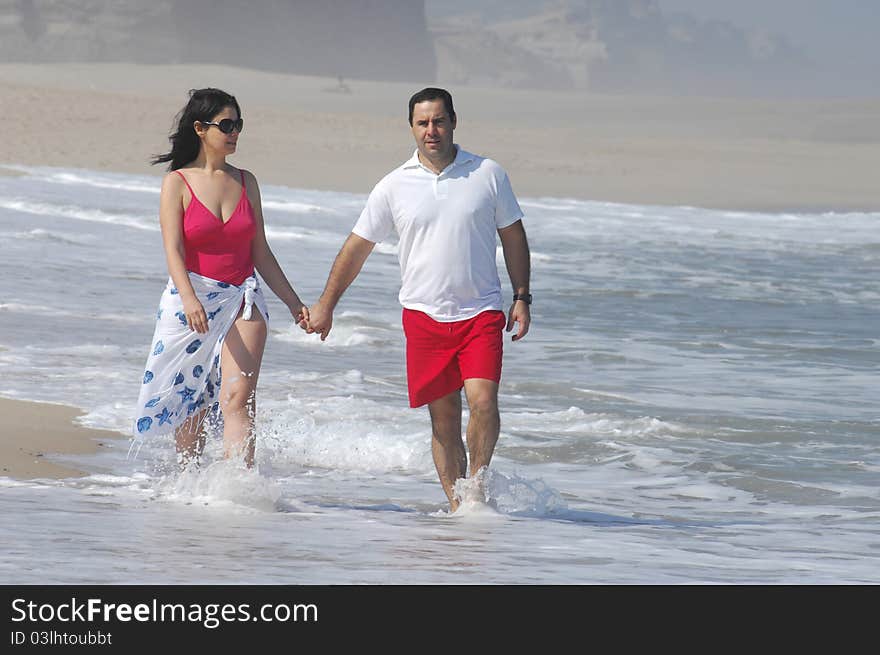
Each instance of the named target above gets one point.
<point>171,221</point>
<point>264,260</point>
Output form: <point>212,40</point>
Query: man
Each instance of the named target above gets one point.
<point>446,205</point>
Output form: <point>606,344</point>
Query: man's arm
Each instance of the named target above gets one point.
<point>348,264</point>
<point>517,258</point>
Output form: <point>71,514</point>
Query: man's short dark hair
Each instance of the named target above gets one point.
<point>432,93</point>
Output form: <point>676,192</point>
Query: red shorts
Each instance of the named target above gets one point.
<point>441,356</point>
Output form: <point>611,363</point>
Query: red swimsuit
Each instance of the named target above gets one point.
<point>218,250</point>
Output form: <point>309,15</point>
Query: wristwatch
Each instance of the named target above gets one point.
<point>525,297</point>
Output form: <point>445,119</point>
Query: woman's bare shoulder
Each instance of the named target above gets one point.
<point>249,177</point>
<point>250,181</point>
<point>172,180</point>
<point>174,188</point>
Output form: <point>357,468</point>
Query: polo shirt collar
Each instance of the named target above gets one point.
<point>462,156</point>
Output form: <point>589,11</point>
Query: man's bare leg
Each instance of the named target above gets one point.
<point>450,458</point>
<point>484,424</point>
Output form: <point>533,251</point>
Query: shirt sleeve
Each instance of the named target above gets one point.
<point>376,220</point>
<point>507,209</point>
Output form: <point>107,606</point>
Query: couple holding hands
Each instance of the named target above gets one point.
<point>445,204</point>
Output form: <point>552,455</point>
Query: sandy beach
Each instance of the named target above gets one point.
<point>304,132</point>
<point>33,435</point>
<point>773,155</point>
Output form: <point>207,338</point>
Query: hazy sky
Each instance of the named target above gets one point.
<point>839,31</point>
<point>825,28</point>
<point>839,37</point>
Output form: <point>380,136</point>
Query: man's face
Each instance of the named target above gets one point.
<point>432,128</point>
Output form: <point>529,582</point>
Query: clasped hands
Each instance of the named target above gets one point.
<point>317,319</point>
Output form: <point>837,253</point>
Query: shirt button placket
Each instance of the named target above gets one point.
<point>441,187</point>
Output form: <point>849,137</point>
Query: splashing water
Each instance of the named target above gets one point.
<point>222,482</point>
<point>514,495</point>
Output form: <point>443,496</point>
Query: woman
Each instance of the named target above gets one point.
<point>212,315</point>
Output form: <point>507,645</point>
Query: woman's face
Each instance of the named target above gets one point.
<point>213,138</point>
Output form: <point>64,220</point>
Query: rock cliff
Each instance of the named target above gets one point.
<point>376,39</point>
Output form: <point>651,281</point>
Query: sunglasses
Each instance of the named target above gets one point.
<point>227,125</point>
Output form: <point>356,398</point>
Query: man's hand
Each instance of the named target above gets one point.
<point>320,320</point>
<point>519,313</point>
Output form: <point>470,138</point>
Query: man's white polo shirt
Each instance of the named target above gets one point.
<point>447,225</point>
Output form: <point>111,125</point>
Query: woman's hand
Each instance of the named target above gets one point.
<point>299,312</point>
<point>195,315</point>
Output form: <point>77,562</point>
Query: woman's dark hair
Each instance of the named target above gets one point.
<point>432,93</point>
<point>203,105</point>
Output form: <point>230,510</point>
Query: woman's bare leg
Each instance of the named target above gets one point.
<point>240,360</point>
<point>190,439</point>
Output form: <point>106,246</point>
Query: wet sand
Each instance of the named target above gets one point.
<point>34,437</point>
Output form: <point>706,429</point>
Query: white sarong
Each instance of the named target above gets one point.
<point>182,374</point>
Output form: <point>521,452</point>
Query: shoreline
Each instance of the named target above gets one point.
<point>721,153</point>
<point>7,170</point>
<point>35,437</point>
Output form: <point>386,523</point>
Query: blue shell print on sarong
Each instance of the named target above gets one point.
<point>182,373</point>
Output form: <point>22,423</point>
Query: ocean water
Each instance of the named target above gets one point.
<point>696,403</point>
